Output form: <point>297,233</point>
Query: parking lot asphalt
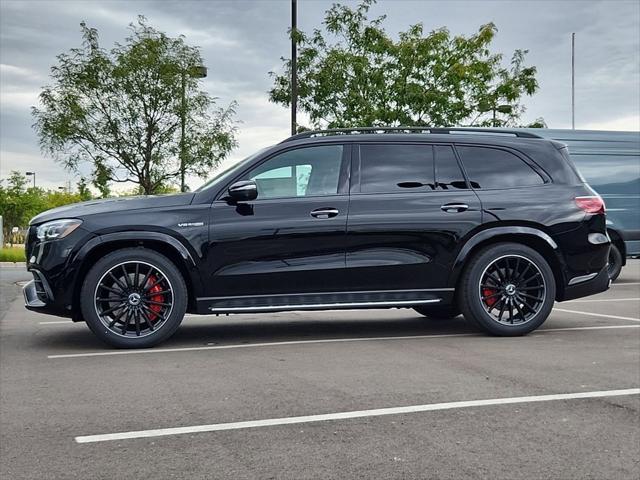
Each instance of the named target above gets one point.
<point>249,390</point>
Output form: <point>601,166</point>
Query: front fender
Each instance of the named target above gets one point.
<point>135,236</point>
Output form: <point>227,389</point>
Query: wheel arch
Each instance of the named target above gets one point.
<point>529,236</point>
<point>159,242</point>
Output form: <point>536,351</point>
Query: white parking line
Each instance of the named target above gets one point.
<point>250,345</point>
<point>270,422</point>
<point>305,342</point>
<point>595,327</point>
<point>617,317</point>
<point>636,299</point>
<point>58,322</point>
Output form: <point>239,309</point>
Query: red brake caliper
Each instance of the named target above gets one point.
<point>486,292</point>
<point>155,298</point>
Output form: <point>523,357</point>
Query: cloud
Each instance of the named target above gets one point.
<point>242,41</point>
<point>631,124</point>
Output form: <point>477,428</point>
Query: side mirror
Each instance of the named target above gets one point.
<point>243,191</point>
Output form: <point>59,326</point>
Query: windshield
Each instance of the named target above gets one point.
<point>229,170</point>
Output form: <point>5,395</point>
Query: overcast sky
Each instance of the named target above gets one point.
<point>243,40</point>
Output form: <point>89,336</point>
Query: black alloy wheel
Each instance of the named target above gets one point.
<point>133,298</point>
<point>507,289</point>
<point>512,289</point>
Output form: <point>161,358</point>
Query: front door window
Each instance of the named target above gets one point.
<point>304,172</point>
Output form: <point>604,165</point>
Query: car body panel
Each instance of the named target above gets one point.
<point>379,250</point>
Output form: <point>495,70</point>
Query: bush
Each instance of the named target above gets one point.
<point>12,254</point>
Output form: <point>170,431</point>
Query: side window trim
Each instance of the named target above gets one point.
<point>546,179</point>
<point>343,179</point>
<point>458,162</point>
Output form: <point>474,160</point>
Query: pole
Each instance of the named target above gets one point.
<point>34,180</point>
<point>183,122</point>
<point>294,66</point>
<point>573,81</point>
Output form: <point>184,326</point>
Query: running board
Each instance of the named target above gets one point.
<point>322,306</point>
<point>320,301</point>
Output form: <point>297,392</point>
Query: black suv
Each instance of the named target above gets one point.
<point>496,225</point>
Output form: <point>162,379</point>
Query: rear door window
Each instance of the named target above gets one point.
<point>396,168</point>
<point>492,168</point>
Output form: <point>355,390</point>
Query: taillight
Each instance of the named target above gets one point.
<point>591,204</point>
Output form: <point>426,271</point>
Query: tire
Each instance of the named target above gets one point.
<point>615,263</point>
<point>139,286</point>
<point>440,312</point>
<point>507,277</point>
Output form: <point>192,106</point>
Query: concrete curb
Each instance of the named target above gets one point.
<point>13,264</point>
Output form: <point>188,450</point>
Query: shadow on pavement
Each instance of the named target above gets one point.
<point>195,332</point>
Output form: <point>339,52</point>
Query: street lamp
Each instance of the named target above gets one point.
<point>194,71</point>
<point>294,67</point>
<point>29,174</point>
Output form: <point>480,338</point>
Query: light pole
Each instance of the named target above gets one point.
<point>294,66</point>
<point>194,71</point>
<point>573,81</point>
<point>32,174</point>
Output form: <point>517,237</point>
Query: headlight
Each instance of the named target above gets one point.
<point>57,228</point>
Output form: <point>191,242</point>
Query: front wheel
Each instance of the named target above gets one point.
<point>133,298</point>
<point>507,289</point>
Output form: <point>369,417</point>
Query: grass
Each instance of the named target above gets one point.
<point>12,254</point>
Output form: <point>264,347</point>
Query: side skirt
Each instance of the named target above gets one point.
<point>323,301</point>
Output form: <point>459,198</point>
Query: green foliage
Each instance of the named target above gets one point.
<point>83,190</point>
<point>355,74</point>
<point>12,254</point>
<point>120,111</point>
<point>19,204</point>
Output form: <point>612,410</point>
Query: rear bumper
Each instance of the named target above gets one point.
<point>597,284</point>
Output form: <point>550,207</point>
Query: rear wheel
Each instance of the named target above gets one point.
<point>440,312</point>
<point>133,298</point>
<point>507,289</point>
<point>615,263</point>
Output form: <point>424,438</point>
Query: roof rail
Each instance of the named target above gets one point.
<point>432,130</point>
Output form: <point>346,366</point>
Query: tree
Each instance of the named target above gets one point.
<point>83,189</point>
<point>355,74</point>
<point>120,111</point>
<point>18,204</point>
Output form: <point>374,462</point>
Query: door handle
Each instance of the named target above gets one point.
<point>325,212</point>
<point>454,207</point>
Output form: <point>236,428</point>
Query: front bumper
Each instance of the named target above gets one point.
<point>598,284</point>
<point>33,302</point>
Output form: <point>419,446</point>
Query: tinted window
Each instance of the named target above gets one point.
<point>396,168</point>
<point>493,168</point>
<point>448,174</point>
<point>610,173</point>
<point>311,171</point>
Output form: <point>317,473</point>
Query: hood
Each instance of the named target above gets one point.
<point>110,205</point>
